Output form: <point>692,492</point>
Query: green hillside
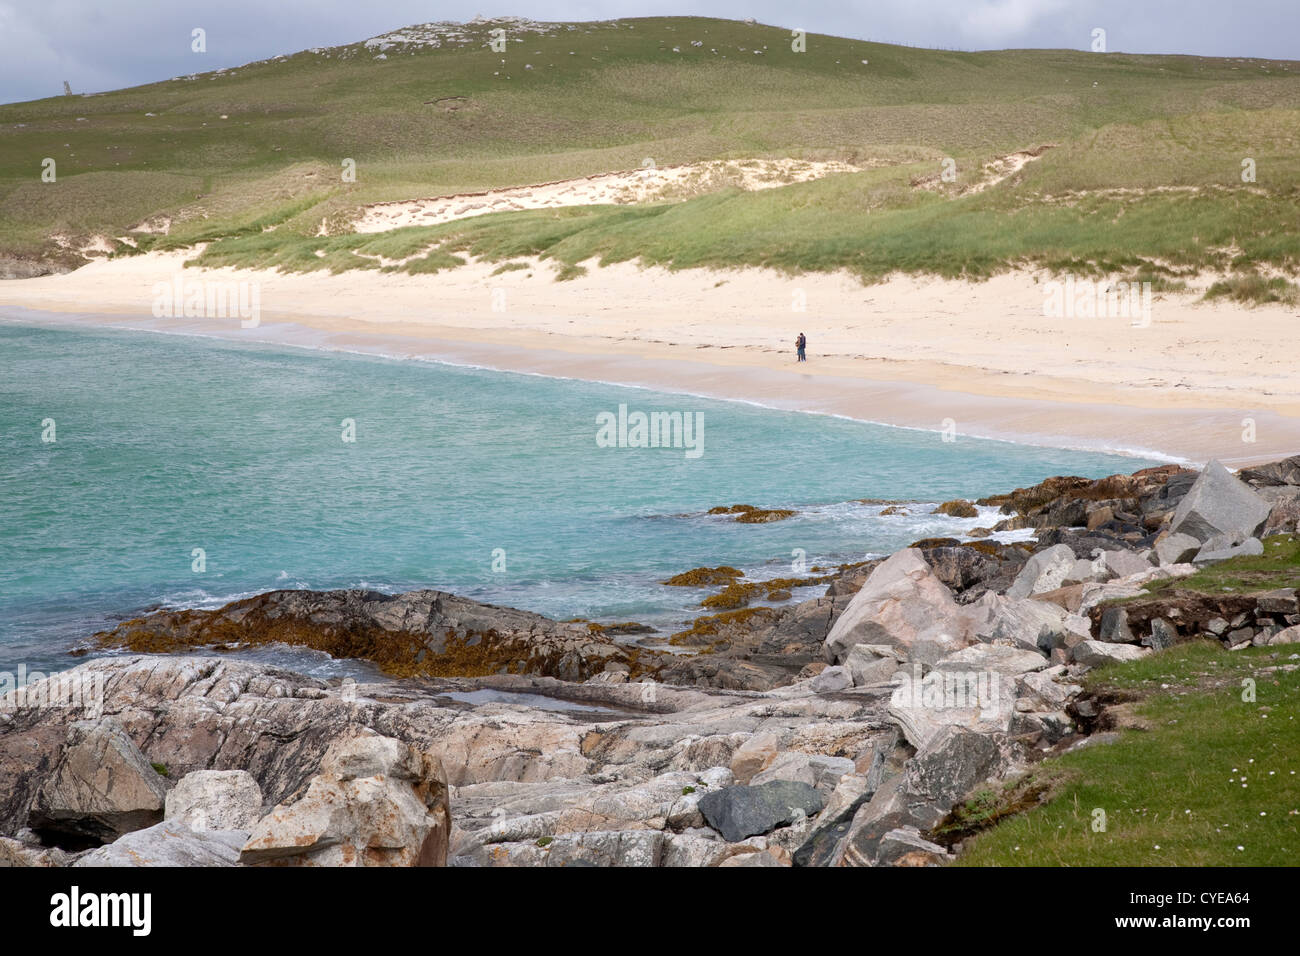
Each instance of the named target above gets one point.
<point>1144,173</point>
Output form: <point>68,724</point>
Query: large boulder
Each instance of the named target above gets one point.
<point>376,802</point>
<point>1220,503</point>
<point>980,700</point>
<point>740,811</point>
<point>170,843</point>
<point>1221,547</point>
<point>1093,653</point>
<point>216,800</point>
<point>102,788</point>
<point>1027,623</point>
<point>905,605</point>
<point>949,766</point>
<point>1046,570</point>
<point>1176,549</point>
<point>871,664</point>
<point>995,658</point>
<point>1276,473</point>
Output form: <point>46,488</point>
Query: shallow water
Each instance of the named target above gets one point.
<point>488,484</point>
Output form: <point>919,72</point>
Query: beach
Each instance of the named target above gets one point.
<point>1185,380</point>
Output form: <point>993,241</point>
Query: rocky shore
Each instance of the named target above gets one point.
<point>838,731</point>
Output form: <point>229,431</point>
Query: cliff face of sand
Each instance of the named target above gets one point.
<point>838,731</point>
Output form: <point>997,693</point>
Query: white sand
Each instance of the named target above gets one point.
<point>911,351</point>
<point>649,184</point>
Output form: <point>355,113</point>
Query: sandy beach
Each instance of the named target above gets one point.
<point>1187,380</point>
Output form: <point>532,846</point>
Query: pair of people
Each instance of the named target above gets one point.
<point>800,345</point>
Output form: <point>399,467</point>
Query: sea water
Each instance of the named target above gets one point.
<point>140,469</point>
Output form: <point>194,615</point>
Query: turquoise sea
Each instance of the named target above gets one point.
<point>485,483</point>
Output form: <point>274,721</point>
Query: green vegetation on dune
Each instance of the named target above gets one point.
<point>1213,780</point>
<point>1144,172</point>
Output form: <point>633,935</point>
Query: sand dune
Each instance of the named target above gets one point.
<point>649,184</point>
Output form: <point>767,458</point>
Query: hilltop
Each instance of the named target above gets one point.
<point>1117,164</point>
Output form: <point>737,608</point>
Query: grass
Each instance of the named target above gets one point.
<point>1277,567</point>
<point>1171,795</point>
<point>1143,176</point>
<point>1254,288</point>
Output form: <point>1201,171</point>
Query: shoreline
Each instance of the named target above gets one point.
<point>992,377</point>
<point>910,406</point>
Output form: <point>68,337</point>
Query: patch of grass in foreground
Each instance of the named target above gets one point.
<point>1216,782</point>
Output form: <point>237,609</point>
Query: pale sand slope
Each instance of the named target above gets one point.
<point>650,184</point>
<point>911,351</point>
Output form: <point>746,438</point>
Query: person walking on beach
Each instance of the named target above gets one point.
<point>800,344</point>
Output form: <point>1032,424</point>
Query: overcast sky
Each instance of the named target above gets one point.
<point>107,44</point>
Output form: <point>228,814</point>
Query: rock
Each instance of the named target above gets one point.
<point>742,811</point>
<point>1100,516</point>
<point>694,848</point>
<point>638,848</point>
<point>885,811</point>
<point>1278,601</point>
<point>1176,549</point>
<point>958,508</point>
<point>170,843</point>
<point>216,800</point>
<point>1163,635</point>
<point>816,770</point>
<point>996,658</point>
<point>1223,547</point>
<point>376,802</point>
<point>1219,503</point>
<point>1094,653</point>
<point>424,632</point>
<point>1084,570</point>
<point>17,853</point>
<point>754,755</point>
<point>1044,686</point>
<point>1288,635</point>
<point>866,667</point>
<point>945,770</point>
<point>1026,623</point>
<point>1284,515</point>
<point>102,788</point>
<point>1284,472</point>
<point>925,706</point>
<point>1044,571</point>
<point>1048,727</point>
<point>1125,563</point>
<point>902,604</point>
<point>906,841</point>
<point>832,680</point>
<point>761,858</point>
<point>1114,626</point>
<point>819,846</point>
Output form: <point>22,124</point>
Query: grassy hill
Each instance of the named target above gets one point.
<point>1144,173</point>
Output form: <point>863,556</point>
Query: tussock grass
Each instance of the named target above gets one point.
<point>1254,289</point>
